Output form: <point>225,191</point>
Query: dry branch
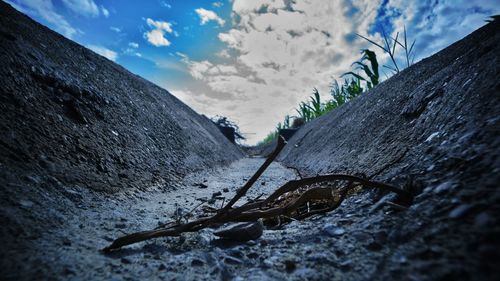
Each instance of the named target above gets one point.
<point>286,202</point>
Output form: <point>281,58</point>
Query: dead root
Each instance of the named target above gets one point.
<point>296,200</point>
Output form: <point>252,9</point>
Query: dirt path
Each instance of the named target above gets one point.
<point>90,221</point>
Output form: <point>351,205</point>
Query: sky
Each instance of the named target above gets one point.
<point>252,61</point>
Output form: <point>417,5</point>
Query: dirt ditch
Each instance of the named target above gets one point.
<point>96,152</point>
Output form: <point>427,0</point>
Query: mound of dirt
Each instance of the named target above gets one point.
<point>83,120</point>
<point>434,126</point>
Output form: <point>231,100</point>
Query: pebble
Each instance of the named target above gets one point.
<point>361,236</point>
<point>444,187</point>
<point>225,189</point>
<point>197,262</point>
<point>66,242</point>
<point>402,259</point>
<point>345,265</point>
<point>374,246</point>
<point>201,185</point>
<point>120,225</point>
<point>232,260</point>
<point>460,211</point>
<point>125,261</point>
<point>252,255</point>
<point>290,265</point>
<point>26,203</point>
<point>483,219</point>
<point>333,230</point>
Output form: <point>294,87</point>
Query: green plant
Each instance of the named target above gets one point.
<point>389,47</point>
<point>311,109</point>
<point>371,70</point>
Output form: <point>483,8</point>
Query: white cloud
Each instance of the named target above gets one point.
<point>246,7</point>
<point>133,45</point>
<point>435,26</point>
<point>105,52</point>
<point>83,7</point>
<point>165,4</point>
<point>46,10</point>
<point>280,52</point>
<point>156,38</point>
<point>115,29</point>
<point>217,4</point>
<point>207,15</point>
<point>157,35</point>
<point>105,12</point>
<point>277,51</point>
<point>224,53</point>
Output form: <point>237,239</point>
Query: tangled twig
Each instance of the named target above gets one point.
<point>288,201</point>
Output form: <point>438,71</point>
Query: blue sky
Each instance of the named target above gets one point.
<point>251,60</point>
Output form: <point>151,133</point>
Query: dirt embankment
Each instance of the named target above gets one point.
<point>434,127</point>
<point>84,120</point>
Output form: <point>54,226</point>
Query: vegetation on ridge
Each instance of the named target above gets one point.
<point>364,76</point>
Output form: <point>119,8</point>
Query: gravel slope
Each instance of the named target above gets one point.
<point>434,126</point>
<point>74,115</point>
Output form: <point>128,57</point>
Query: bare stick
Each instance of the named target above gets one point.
<point>254,211</point>
<point>243,190</point>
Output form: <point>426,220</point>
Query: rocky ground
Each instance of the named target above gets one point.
<point>73,225</point>
<point>89,152</point>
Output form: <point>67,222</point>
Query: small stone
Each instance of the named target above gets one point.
<point>290,265</point>
<point>201,185</point>
<point>333,231</point>
<point>232,260</point>
<point>236,253</point>
<point>120,225</point>
<point>263,183</point>
<point>345,265</point>
<point>460,211</point>
<point>242,232</point>
<point>26,204</point>
<point>162,267</point>
<point>66,242</point>
<point>252,255</point>
<point>483,219</point>
<point>68,271</point>
<point>361,236</point>
<point>197,262</point>
<point>215,194</point>
<point>402,259</point>
<point>125,261</point>
<point>380,236</point>
<point>444,187</point>
<point>109,239</point>
<point>225,189</point>
<point>374,246</point>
